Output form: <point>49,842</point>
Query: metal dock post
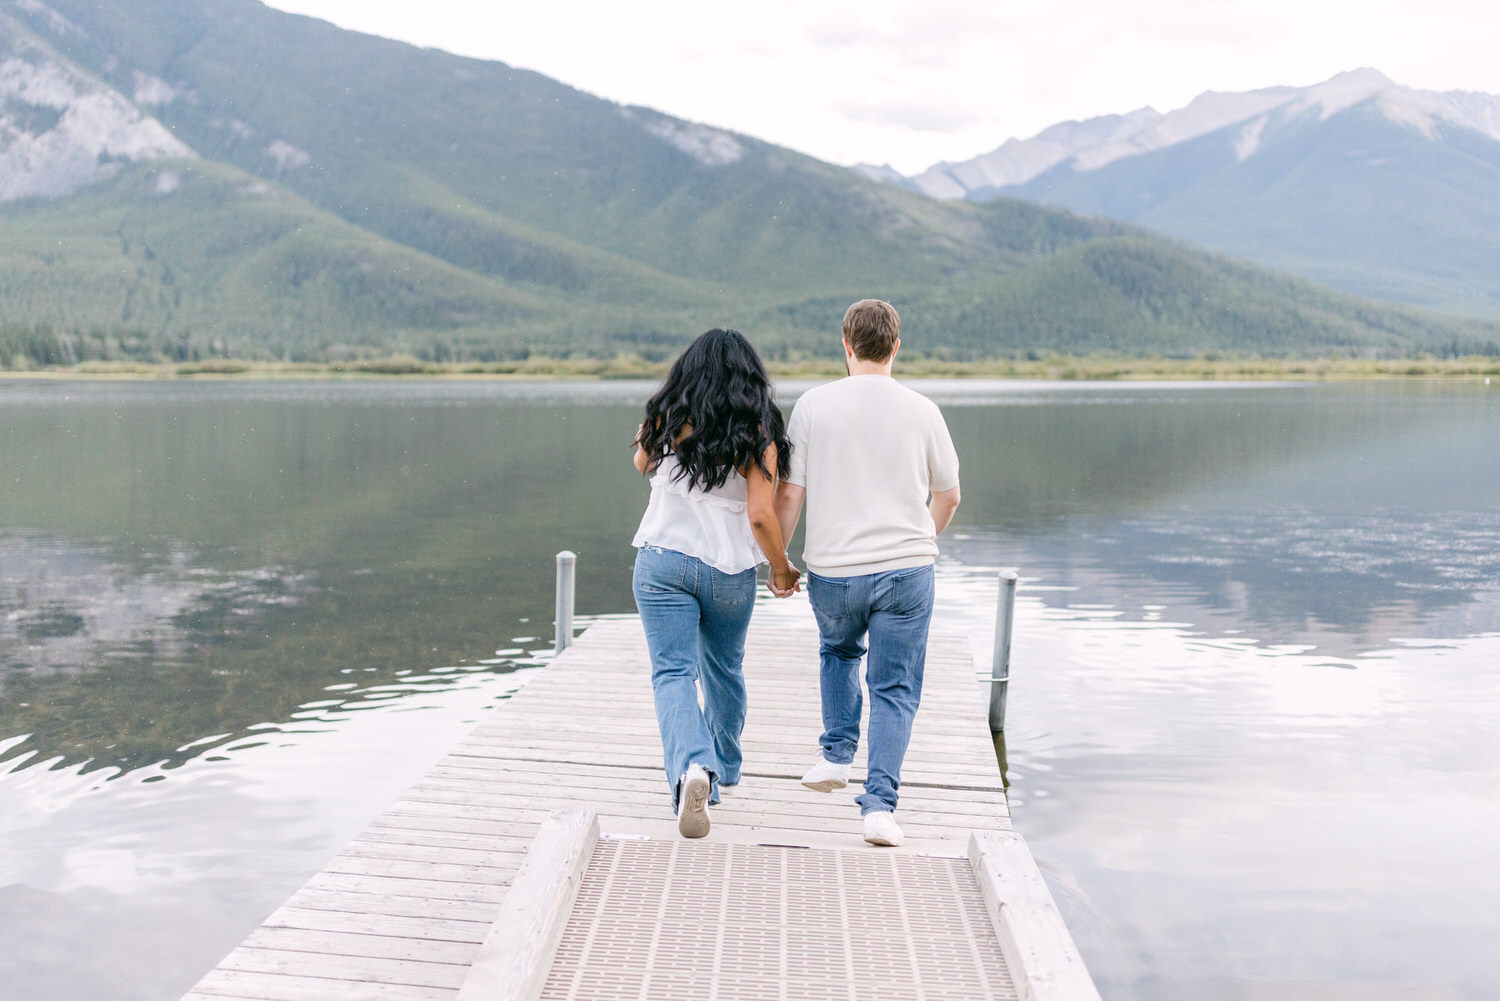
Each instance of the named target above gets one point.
<point>563,618</point>
<point>999,679</point>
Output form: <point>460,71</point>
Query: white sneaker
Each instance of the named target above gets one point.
<point>692,803</point>
<point>881,829</point>
<point>826,776</point>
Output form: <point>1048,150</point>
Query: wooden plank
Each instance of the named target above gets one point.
<point>813,814</point>
<point>486,827</point>
<point>761,758</point>
<point>798,802</point>
<point>222,984</point>
<point>787,697</point>
<point>426,929</point>
<point>591,743</point>
<point>437,839</point>
<point>405,851</point>
<point>356,969</point>
<point>279,938</point>
<point>586,744</point>
<point>426,889</point>
<point>586,777</point>
<point>809,808</point>
<point>469,875</point>
<point>823,813</point>
<point>378,905</point>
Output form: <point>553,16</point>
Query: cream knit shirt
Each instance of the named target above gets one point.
<point>869,452</point>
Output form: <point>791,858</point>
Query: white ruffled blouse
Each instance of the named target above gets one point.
<point>712,525</point>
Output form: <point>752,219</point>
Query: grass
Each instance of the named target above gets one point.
<point>1082,368</point>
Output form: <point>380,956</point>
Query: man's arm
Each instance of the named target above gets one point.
<point>789,507</point>
<point>941,507</point>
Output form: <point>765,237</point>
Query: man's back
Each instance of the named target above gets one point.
<point>868,450</point>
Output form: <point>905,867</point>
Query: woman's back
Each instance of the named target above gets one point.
<point>709,524</point>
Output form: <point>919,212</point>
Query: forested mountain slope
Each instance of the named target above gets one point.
<point>302,191</point>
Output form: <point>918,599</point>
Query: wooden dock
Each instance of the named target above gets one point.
<point>539,859</point>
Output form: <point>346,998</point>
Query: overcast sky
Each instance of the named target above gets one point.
<point>913,82</point>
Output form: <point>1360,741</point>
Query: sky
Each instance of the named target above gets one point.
<point>915,82</point>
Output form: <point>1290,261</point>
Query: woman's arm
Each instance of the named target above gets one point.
<point>640,453</point>
<point>766,527</point>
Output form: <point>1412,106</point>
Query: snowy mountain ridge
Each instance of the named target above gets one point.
<point>1096,142</point>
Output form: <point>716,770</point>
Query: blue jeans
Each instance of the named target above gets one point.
<point>695,617</point>
<point>892,608</point>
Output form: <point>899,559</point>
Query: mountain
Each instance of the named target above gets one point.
<point>1357,182</point>
<point>60,129</point>
<point>263,184</point>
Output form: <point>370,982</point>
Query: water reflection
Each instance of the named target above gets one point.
<point>130,886</point>
<point>215,551</point>
<point>182,562</point>
<point>110,666</point>
<point>1342,583</point>
<point>1250,737</point>
<point>1255,749</point>
<point>66,606</point>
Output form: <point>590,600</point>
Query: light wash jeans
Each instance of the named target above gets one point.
<point>893,609</point>
<point>695,617</point>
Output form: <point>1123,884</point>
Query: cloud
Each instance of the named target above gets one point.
<point>937,114</point>
<point>905,34</point>
<point>899,80</point>
<point>839,33</point>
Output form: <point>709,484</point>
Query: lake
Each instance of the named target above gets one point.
<point>1253,737</point>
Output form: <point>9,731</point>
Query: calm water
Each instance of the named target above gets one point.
<point>1252,738</point>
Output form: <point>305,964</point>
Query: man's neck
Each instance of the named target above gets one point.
<point>863,366</point>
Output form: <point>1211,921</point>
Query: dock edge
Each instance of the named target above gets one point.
<point>1044,960</point>
<point>516,955</point>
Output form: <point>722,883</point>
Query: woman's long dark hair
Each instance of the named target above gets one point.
<point>717,399</point>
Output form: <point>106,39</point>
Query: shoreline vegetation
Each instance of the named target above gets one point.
<point>1081,368</point>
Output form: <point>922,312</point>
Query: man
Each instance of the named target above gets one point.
<point>867,454</point>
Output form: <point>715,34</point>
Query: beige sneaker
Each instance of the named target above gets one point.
<point>881,829</point>
<point>692,803</point>
<point>826,776</point>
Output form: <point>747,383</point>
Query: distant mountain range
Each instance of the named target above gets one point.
<point>1357,182</point>
<point>202,178</point>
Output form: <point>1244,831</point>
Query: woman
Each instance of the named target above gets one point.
<point>713,443</point>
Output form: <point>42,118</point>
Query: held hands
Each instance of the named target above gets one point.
<point>784,583</point>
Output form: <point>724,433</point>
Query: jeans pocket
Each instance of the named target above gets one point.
<point>732,588</point>
<point>659,570</point>
<point>829,595</point>
<point>909,591</point>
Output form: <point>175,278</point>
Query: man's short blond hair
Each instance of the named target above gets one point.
<point>872,327</point>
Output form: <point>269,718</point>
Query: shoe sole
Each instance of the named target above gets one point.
<point>692,816</point>
<point>876,839</point>
<point>826,785</point>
